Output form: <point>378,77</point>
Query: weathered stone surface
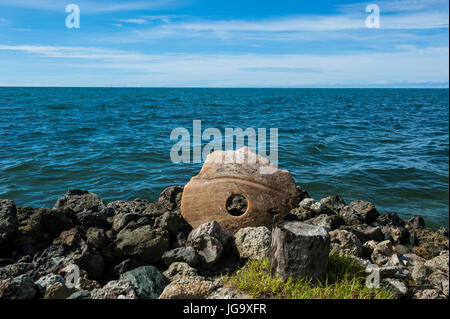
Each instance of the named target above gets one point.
<point>96,237</point>
<point>225,292</point>
<point>29,232</point>
<point>172,222</point>
<point>365,232</point>
<point>329,222</point>
<point>427,294</point>
<point>178,270</point>
<point>421,274</point>
<point>46,281</point>
<point>382,252</point>
<point>80,201</point>
<point>192,287</point>
<point>253,242</point>
<point>398,288</point>
<point>136,206</point>
<point>147,280</point>
<point>55,221</point>
<point>416,222</point>
<point>332,205</point>
<point>70,238</point>
<point>299,250</point>
<point>8,222</point>
<point>270,197</point>
<point>440,262</point>
<point>117,289</point>
<point>366,209</point>
<point>345,241</point>
<point>80,294</point>
<point>308,208</point>
<point>208,240</point>
<point>15,270</point>
<point>390,219</point>
<point>123,219</point>
<point>396,234</point>
<point>144,243</point>
<point>58,291</point>
<point>181,254</point>
<point>91,261</point>
<point>21,287</point>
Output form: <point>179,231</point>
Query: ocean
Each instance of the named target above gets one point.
<point>387,146</point>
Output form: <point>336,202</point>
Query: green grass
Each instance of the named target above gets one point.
<point>345,279</point>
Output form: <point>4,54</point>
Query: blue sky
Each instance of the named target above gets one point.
<point>224,43</point>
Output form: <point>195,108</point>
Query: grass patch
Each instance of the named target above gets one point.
<point>345,279</point>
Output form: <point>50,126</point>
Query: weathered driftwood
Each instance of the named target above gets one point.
<point>299,250</point>
<point>269,197</point>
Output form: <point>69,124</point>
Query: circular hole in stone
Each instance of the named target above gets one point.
<point>237,205</point>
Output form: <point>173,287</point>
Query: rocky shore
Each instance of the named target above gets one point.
<point>83,248</point>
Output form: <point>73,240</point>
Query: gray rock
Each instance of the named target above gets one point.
<point>46,281</point>
<point>382,252</point>
<point>390,219</point>
<point>329,222</point>
<point>192,287</point>
<point>351,216</point>
<point>421,274</point>
<point>92,218</point>
<point>123,219</point>
<point>136,206</point>
<point>178,270</point>
<point>416,222</point>
<point>91,261</point>
<point>332,205</point>
<point>21,287</point>
<point>345,241</point>
<point>58,291</point>
<point>147,280</point>
<point>398,288</point>
<point>396,234</point>
<point>299,250</point>
<point>208,240</point>
<point>366,209</point>
<point>96,237</point>
<point>440,262</point>
<point>125,266</point>
<point>427,294</point>
<point>117,289</point>
<point>172,222</point>
<point>181,254</point>
<point>170,198</point>
<point>8,222</point>
<point>365,232</point>
<point>308,208</point>
<point>144,244</point>
<point>80,201</point>
<point>80,294</point>
<point>15,270</point>
<point>253,242</point>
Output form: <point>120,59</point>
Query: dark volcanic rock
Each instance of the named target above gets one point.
<point>136,206</point>
<point>173,222</point>
<point>329,222</point>
<point>365,232</point>
<point>332,205</point>
<point>365,209</point>
<point>8,222</point>
<point>55,221</point>
<point>302,194</point>
<point>390,219</point>
<point>147,280</point>
<point>299,250</point>
<point>144,243</point>
<point>170,198</point>
<point>21,287</point>
<point>80,201</point>
<point>181,254</point>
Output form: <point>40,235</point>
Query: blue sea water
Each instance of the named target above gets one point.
<point>387,146</point>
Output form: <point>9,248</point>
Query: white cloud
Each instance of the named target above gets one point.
<point>88,6</point>
<point>407,64</point>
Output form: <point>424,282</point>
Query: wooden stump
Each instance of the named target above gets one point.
<point>299,250</point>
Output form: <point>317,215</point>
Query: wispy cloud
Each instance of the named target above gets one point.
<point>87,6</point>
<point>402,65</point>
<point>133,21</point>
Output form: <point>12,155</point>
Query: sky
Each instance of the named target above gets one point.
<point>224,43</point>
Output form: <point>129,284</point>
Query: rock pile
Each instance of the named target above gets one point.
<point>83,248</point>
